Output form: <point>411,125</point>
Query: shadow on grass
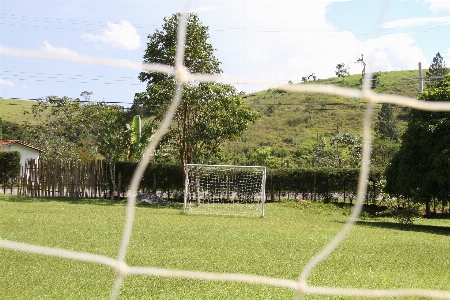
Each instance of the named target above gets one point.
<point>442,230</point>
<point>90,201</point>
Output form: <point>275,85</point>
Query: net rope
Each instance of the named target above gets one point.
<point>180,72</point>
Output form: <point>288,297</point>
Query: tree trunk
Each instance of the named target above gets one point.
<point>113,181</point>
<point>427,208</point>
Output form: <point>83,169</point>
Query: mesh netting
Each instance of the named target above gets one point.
<point>224,190</point>
<point>184,77</point>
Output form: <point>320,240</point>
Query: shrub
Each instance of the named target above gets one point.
<point>405,212</point>
<point>9,166</point>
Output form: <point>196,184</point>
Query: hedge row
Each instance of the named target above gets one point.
<point>9,166</point>
<point>321,183</point>
<point>308,183</point>
<point>157,177</point>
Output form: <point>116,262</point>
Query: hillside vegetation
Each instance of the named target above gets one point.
<point>289,123</point>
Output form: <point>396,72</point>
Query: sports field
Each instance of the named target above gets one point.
<point>378,253</point>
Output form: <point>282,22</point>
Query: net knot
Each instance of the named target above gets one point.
<point>368,95</point>
<point>302,287</point>
<point>182,74</point>
<point>122,269</point>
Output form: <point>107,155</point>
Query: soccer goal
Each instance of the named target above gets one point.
<point>225,190</point>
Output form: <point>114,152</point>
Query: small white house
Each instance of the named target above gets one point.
<point>26,150</point>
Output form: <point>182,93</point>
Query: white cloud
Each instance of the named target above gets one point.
<point>206,8</point>
<point>439,5</point>
<point>121,35</point>
<point>414,22</point>
<point>279,47</point>
<point>6,82</point>
<point>396,52</point>
<point>62,51</point>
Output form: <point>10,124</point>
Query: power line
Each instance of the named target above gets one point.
<point>140,27</point>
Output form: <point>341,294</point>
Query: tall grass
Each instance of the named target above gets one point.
<point>377,254</point>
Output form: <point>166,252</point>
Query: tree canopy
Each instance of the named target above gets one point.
<point>437,69</point>
<point>73,129</point>
<point>421,167</point>
<point>209,113</point>
<point>386,125</point>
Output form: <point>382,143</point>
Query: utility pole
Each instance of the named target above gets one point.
<point>420,78</point>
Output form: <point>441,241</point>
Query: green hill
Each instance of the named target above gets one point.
<point>291,122</point>
<point>13,110</point>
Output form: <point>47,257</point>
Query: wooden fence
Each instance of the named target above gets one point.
<point>55,178</point>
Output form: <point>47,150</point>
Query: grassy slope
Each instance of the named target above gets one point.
<point>377,253</point>
<point>12,110</point>
<point>290,121</point>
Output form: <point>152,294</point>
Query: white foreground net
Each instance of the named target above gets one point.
<point>298,286</point>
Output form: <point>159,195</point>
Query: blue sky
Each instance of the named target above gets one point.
<point>272,41</point>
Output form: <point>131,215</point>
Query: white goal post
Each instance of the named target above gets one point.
<point>224,190</point>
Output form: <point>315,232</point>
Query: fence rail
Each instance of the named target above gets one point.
<point>56,178</point>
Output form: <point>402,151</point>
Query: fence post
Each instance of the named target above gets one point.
<point>272,193</point>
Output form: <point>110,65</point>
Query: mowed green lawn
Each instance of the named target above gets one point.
<point>378,254</point>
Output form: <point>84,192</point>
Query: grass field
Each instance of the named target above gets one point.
<point>377,254</point>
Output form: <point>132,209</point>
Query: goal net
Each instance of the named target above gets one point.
<point>225,190</point>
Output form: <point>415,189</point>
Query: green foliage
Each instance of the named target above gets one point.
<point>13,131</point>
<point>421,167</point>
<point>69,129</point>
<point>341,70</point>
<point>324,182</point>
<point>342,149</point>
<point>382,151</point>
<point>265,156</point>
<point>210,113</point>
<point>299,119</point>
<point>9,166</point>
<point>386,125</point>
<point>55,131</point>
<point>375,79</point>
<point>436,70</point>
<point>405,212</point>
<point>158,176</point>
<point>288,123</point>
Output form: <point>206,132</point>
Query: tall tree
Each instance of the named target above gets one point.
<point>437,69</point>
<point>421,167</point>
<point>55,131</point>
<point>386,125</point>
<point>209,113</point>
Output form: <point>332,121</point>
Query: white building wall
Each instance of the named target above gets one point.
<point>25,152</point>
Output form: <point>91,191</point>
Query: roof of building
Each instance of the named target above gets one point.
<point>19,142</point>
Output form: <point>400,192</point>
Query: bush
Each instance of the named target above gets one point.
<point>405,212</point>
<point>9,166</point>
